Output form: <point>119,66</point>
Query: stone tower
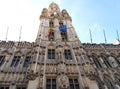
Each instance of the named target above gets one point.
<point>57,59</point>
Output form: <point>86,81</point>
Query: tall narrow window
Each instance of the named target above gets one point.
<point>97,63</point>
<point>51,53</point>
<point>15,61</point>
<point>51,84</point>
<point>107,63</point>
<point>2,60</point>
<point>64,36</point>
<point>26,62</point>
<point>51,24</point>
<point>67,54</point>
<point>74,84</point>
<point>51,35</point>
<point>4,87</point>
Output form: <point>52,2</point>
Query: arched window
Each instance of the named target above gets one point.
<point>107,62</point>
<point>97,62</point>
<point>2,60</point>
<point>27,60</point>
<point>15,61</point>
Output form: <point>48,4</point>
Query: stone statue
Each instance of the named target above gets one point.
<point>62,82</point>
<point>113,62</point>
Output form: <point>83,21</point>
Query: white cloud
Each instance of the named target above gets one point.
<point>16,13</point>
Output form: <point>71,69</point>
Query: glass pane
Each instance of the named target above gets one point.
<point>18,88</point>
<point>7,88</point>
<point>75,81</point>
<point>53,86</point>
<point>16,63</point>
<point>49,56</point>
<point>48,87</point>
<point>48,81</point>
<point>53,56</point>
<point>77,86</point>
<point>24,88</point>
<point>71,86</point>
<point>53,81</point>
<point>71,81</point>
<point>2,88</point>
<point>13,61</point>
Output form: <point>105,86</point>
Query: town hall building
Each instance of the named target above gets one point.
<point>57,59</point>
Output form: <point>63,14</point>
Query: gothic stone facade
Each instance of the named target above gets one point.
<point>58,60</point>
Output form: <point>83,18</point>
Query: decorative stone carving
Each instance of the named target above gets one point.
<point>61,68</point>
<point>41,82</point>
<point>63,82</point>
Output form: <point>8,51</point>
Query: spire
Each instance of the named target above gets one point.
<point>53,7</point>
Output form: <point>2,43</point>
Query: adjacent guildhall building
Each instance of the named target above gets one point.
<point>57,59</point>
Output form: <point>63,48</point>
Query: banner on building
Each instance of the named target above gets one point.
<point>63,28</point>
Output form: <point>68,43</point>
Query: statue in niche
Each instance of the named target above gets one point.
<point>62,82</point>
<point>40,81</point>
<point>102,61</point>
<point>113,61</point>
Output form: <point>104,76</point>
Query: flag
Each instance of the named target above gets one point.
<point>63,28</point>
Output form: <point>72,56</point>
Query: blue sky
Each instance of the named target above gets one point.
<point>86,14</point>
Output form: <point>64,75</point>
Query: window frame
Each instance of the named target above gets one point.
<point>4,87</point>
<point>51,84</point>
<point>67,54</point>
<point>26,61</point>
<point>15,61</point>
<point>73,83</point>
<point>51,53</point>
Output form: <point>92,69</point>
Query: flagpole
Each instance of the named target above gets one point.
<point>90,35</point>
<point>6,34</point>
<point>117,35</point>
<point>104,36</point>
<point>20,33</point>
